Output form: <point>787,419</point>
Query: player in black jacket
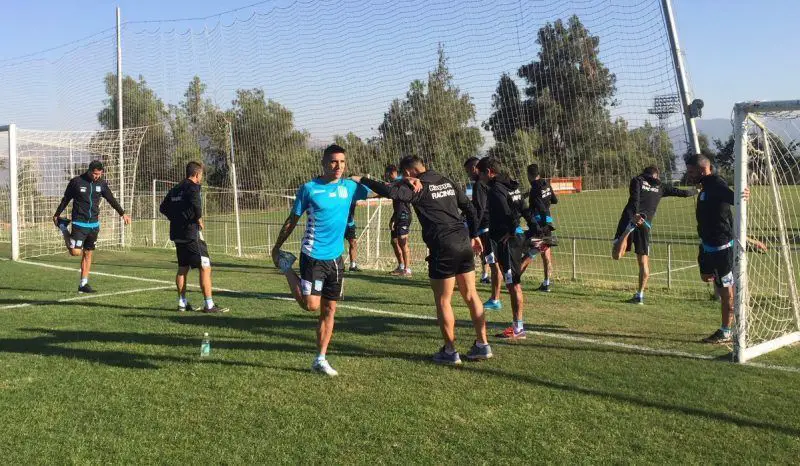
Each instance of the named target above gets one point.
<point>399,227</point>
<point>184,208</point>
<point>506,206</point>
<point>540,224</point>
<point>85,192</point>
<point>480,191</point>
<point>715,228</point>
<point>439,202</point>
<point>646,191</point>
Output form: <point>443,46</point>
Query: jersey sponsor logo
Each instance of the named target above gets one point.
<point>97,188</point>
<point>318,191</point>
<point>176,198</point>
<point>646,187</point>
<point>83,189</point>
<point>343,193</point>
<point>515,195</point>
<point>546,193</point>
<point>439,191</point>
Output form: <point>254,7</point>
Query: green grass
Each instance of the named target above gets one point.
<point>119,379</point>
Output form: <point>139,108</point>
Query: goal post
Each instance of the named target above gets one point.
<point>13,188</point>
<point>767,161</point>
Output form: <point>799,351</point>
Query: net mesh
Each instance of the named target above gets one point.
<point>586,88</point>
<point>47,160</point>
<point>773,226</point>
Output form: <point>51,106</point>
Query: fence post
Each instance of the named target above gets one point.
<point>378,231</point>
<point>369,218</point>
<point>574,259</point>
<point>225,224</point>
<point>669,266</point>
<point>269,237</point>
<point>155,214</point>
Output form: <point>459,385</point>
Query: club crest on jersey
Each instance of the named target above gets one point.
<point>343,192</point>
<point>97,188</point>
<point>703,196</point>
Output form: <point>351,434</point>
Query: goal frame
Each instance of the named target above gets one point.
<point>744,112</point>
<point>13,187</point>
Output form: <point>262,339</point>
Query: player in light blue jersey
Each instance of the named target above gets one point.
<point>326,202</point>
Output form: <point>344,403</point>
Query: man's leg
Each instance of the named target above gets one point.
<point>517,303</point>
<point>309,303</point>
<point>86,266</point>
<point>398,254</point>
<point>442,295</point>
<point>405,251</point>
<point>353,251</point>
<point>325,325</point>
<point>644,272</point>
<point>466,286</point>
<point>497,279</point>
<point>526,261</point>
<point>180,285</point>
<point>620,247</point>
<point>547,264</point>
<point>727,298</point>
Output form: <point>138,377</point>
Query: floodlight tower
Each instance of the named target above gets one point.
<point>664,106</point>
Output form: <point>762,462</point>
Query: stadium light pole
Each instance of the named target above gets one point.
<point>120,165</point>
<point>690,109</point>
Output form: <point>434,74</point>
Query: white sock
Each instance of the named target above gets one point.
<point>401,266</point>
<point>518,326</point>
<point>320,357</point>
<point>182,301</point>
<point>640,294</point>
<point>481,345</point>
<point>353,264</point>
<point>209,303</point>
<point>408,269</point>
<point>84,281</point>
<point>546,282</point>
<point>484,276</point>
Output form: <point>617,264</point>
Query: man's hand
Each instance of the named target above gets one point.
<point>126,219</point>
<point>201,223</point>
<point>477,247</point>
<point>746,194</point>
<point>355,178</point>
<point>638,220</point>
<point>415,183</point>
<point>55,220</point>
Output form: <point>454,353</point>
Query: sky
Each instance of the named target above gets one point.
<point>735,50</point>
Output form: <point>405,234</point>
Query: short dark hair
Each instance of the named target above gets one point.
<point>490,163</point>
<point>96,165</point>
<point>410,161</point>
<point>650,171</point>
<point>533,170</point>
<point>696,160</point>
<point>333,149</point>
<point>193,168</point>
<point>471,161</point>
<point>390,168</point>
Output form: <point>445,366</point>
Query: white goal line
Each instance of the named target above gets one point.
<point>559,336</point>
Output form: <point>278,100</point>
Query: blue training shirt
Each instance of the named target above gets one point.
<point>328,208</point>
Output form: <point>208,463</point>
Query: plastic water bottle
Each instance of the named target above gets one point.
<point>205,346</point>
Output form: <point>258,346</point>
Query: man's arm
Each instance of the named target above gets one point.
<point>64,202</point>
<point>672,191</point>
<point>164,207</point>
<point>553,198</point>
<point>197,207</point>
<point>286,231</point>
<point>479,201</point>
<point>469,212</point>
<point>635,193</point>
<point>400,191</point>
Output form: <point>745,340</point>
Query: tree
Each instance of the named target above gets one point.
<point>434,121</point>
<point>519,150</point>
<point>363,156</point>
<point>507,117</point>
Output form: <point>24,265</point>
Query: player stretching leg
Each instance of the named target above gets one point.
<point>85,192</point>
<point>540,225</point>
<point>326,201</point>
<point>439,203</point>
<point>399,226</point>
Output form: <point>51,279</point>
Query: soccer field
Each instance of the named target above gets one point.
<point>117,377</point>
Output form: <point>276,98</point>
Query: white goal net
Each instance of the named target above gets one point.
<point>767,160</point>
<point>45,162</point>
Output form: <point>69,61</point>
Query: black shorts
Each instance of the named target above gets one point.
<point>193,254</point>
<point>401,226</point>
<point>83,238</point>
<point>489,247</point>
<point>451,259</point>
<point>719,264</point>
<point>350,232</point>
<point>639,237</point>
<point>509,255</point>
<point>321,277</point>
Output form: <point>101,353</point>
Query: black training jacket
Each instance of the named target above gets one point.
<point>714,217</point>
<point>505,205</point>
<point>183,207</point>
<point>85,195</point>
<point>645,194</point>
<point>480,192</point>
<point>438,206</point>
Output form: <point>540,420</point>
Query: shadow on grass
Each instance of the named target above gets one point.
<point>740,421</point>
<point>55,302</point>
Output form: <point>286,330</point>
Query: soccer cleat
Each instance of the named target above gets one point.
<point>356,268</point>
<point>486,280</point>
<point>398,271</point>
<point>476,353</point>
<point>492,305</point>
<point>324,367</point>
<point>443,357</point>
<point>188,307</point>
<point>215,310</point>
<point>511,334</point>
<point>406,273</point>
<point>85,289</point>
<point>636,299</point>
<point>285,261</point>
<point>718,337</point>
<point>545,288</point>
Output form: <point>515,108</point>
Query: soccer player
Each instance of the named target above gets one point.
<point>439,204</point>
<point>85,191</point>
<point>540,224</point>
<point>326,200</point>
<point>635,223</point>
<point>399,226</point>
<point>488,259</point>
<point>506,206</point>
<point>715,227</point>
<point>351,236</point>
<point>184,208</point>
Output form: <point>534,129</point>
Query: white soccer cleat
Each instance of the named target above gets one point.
<point>324,367</point>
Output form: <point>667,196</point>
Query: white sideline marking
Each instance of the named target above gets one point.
<point>85,296</point>
<point>559,336</point>
<point>674,270</point>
